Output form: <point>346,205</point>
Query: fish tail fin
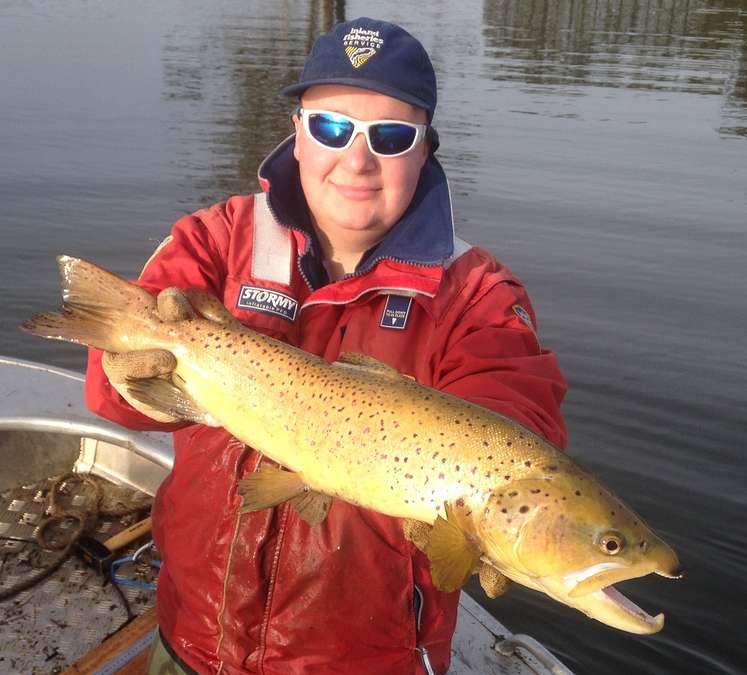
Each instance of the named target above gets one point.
<point>98,307</point>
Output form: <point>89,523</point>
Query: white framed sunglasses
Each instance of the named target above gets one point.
<point>386,138</point>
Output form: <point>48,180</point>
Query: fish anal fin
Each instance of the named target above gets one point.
<point>452,553</point>
<point>268,487</point>
<point>312,506</point>
<point>161,394</point>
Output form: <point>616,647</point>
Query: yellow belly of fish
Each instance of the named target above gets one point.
<point>360,439</point>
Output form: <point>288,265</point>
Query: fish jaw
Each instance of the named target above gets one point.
<point>605,604</point>
<point>591,590</point>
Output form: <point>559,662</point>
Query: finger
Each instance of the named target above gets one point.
<point>212,308</point>
<point>138,364</point>
<point>173,305</point>
<point>492,581</point>
<point>417,532</point>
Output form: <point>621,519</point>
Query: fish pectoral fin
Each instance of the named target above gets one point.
<point>162,395</point>
<point>452,553</point>
<point>493,582</point>
<point>312,506</point>
<point>268,487</point>
<point>367,363</point>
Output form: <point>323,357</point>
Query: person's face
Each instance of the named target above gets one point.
<point>355,195</point>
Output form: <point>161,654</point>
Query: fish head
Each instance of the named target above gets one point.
<point>571,538</point>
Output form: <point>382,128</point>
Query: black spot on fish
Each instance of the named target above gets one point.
<point>578,493</point>
<point>527,463</point>
<point>523,509</point>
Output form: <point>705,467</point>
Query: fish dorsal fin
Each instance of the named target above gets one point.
<point>268,487</point>
<point>312,506</point>
<point>452,553</point>
<point>367,362</point>
<point>165,397</point>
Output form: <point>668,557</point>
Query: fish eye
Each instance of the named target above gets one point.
<point>611,543</point>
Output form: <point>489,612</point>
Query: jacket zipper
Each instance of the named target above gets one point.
<point>282,513</point>
<point>368,267</point>
<point>227,573</point>
<point>417,601</point>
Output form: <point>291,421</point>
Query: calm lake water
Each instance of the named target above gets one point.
<point>598,148</point>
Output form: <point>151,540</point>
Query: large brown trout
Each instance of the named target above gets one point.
<point>357,430</point>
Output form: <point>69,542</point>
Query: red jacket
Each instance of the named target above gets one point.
<point>265,592</point>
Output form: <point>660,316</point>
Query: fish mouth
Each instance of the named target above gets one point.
<point>592,592</point>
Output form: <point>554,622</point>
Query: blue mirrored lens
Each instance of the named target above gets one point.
<point>391,139</point>
<point>331,130</point>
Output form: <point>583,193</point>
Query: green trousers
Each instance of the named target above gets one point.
<point>160,661</point>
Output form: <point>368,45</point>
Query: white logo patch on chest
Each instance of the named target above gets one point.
<point>265,300</point>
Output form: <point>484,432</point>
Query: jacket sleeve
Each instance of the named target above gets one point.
<point>192,256</point>
<point>493,358</point>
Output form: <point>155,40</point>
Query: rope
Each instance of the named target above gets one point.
<point>85,520</point>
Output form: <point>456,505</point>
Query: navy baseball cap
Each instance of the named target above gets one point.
<point>374,55</point>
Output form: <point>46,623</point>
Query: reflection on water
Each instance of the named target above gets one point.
<point>680,45</point>
<point>234,81</point>
<point>596,146</point>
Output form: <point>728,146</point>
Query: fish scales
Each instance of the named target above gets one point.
<point>378,441</point>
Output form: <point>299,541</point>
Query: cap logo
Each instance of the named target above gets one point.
<point>361,44</point>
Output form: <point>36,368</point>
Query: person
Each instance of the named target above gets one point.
<point>350,247</point>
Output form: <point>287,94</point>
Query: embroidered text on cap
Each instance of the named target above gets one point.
<point>361,44</point>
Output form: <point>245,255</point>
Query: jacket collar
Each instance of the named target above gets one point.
<point>424,236</point>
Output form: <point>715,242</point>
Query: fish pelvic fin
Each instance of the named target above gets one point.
<point>268,487</point>
<point>162,395</point>
<point>452,553</point>
<point>312,506</point>
<point>94,301</point>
